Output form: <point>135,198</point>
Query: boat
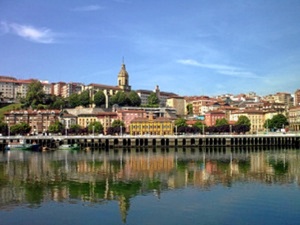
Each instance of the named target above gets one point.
<point>69,147</point>
<point>22,145</point>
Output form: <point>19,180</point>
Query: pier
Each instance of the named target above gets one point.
<point>153,141</point>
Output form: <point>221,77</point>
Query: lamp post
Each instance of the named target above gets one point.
<point>203,129</point>
<point>120,130</point>
<point>175,129</point>
<point>93,130</point>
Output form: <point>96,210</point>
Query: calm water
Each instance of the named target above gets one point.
<point>183,186</point>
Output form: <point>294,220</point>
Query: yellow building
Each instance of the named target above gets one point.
<point>151,126</point>
<point>85,119</point>
<point>256,117</point>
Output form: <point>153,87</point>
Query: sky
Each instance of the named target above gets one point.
<point>192,47</point>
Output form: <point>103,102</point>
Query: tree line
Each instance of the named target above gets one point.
<point>37,99</point>
<point>222,126</point>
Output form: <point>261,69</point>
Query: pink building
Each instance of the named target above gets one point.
<point>212,116</point>
<point>128,115</point>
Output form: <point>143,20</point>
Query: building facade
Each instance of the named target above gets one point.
<point>38,120</point>
<point>294,118</point>
<point>152,126</point>
<point>178,103</point>
<point>256,117</point>
<point>129,115</point>
<point>297,98</point>
<point>162,96</point>
<point>211,117</point>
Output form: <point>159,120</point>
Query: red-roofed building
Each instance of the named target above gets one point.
<point>211,117</point>
<point>38,120</point>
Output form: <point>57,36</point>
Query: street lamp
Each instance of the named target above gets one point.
<point>93,130</point>
<point>175,129</point>
<point>120,130</point>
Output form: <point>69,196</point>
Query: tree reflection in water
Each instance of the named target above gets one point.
<point>96,177</point>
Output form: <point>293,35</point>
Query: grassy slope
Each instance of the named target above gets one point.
<point>8,108</point>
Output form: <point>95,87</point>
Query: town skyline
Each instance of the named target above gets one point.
<point>195,48</point>
<point>153,89</point>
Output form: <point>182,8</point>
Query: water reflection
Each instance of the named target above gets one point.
<point>96,177</point>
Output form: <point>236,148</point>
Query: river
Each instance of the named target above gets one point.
<point>151,186</point>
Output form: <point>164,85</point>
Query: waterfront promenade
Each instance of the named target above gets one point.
<point>127,141</point>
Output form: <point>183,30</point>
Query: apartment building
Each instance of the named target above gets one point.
<point>297,98</point>
<point>106,119</point>
<point>12,89</point>
<point>200,104</point>
<point>211,117</point>
<point>256,117</point>
<point>162,96</point>
<point>294,118</point>
<point>7,87</point>
<point>178,103</point>
<point>38,120</point>
<point>71,88</point>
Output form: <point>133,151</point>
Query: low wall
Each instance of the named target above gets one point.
<point>108,142</point>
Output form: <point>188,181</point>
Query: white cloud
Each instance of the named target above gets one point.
<point>39,35</point>
<point>222,69</point>
<point>88,8</point>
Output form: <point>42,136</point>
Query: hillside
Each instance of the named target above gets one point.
<point>8,108</point>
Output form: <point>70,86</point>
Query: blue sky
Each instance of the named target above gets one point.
<point>193,47</point>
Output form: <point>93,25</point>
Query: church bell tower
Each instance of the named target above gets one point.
<point>123,79</point>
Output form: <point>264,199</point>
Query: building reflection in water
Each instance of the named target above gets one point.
<point>96,177</point>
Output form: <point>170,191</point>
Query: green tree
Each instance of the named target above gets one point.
<point>268,124</point>
<point>118,123</point>
<point>279,121</point>
<point>20,128</point>
<point>243,120</point>
<point>189,108</point>
<point>35,94</point>
<point>200,126</point>
<point>3,128</point>
<point>134,99</point>
<point>73,100</point>
<point>221,122</point>
<point>84,98</point>
<point>153,99</point>
<point>74,129</point>
<point>58,103</point>
<point>95,127</point>
<point>180,122</point>
<point>56,127</point>
<point>99,98</point>
<point>120,99</point>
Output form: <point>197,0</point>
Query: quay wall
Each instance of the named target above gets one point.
<point>111,142</point>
